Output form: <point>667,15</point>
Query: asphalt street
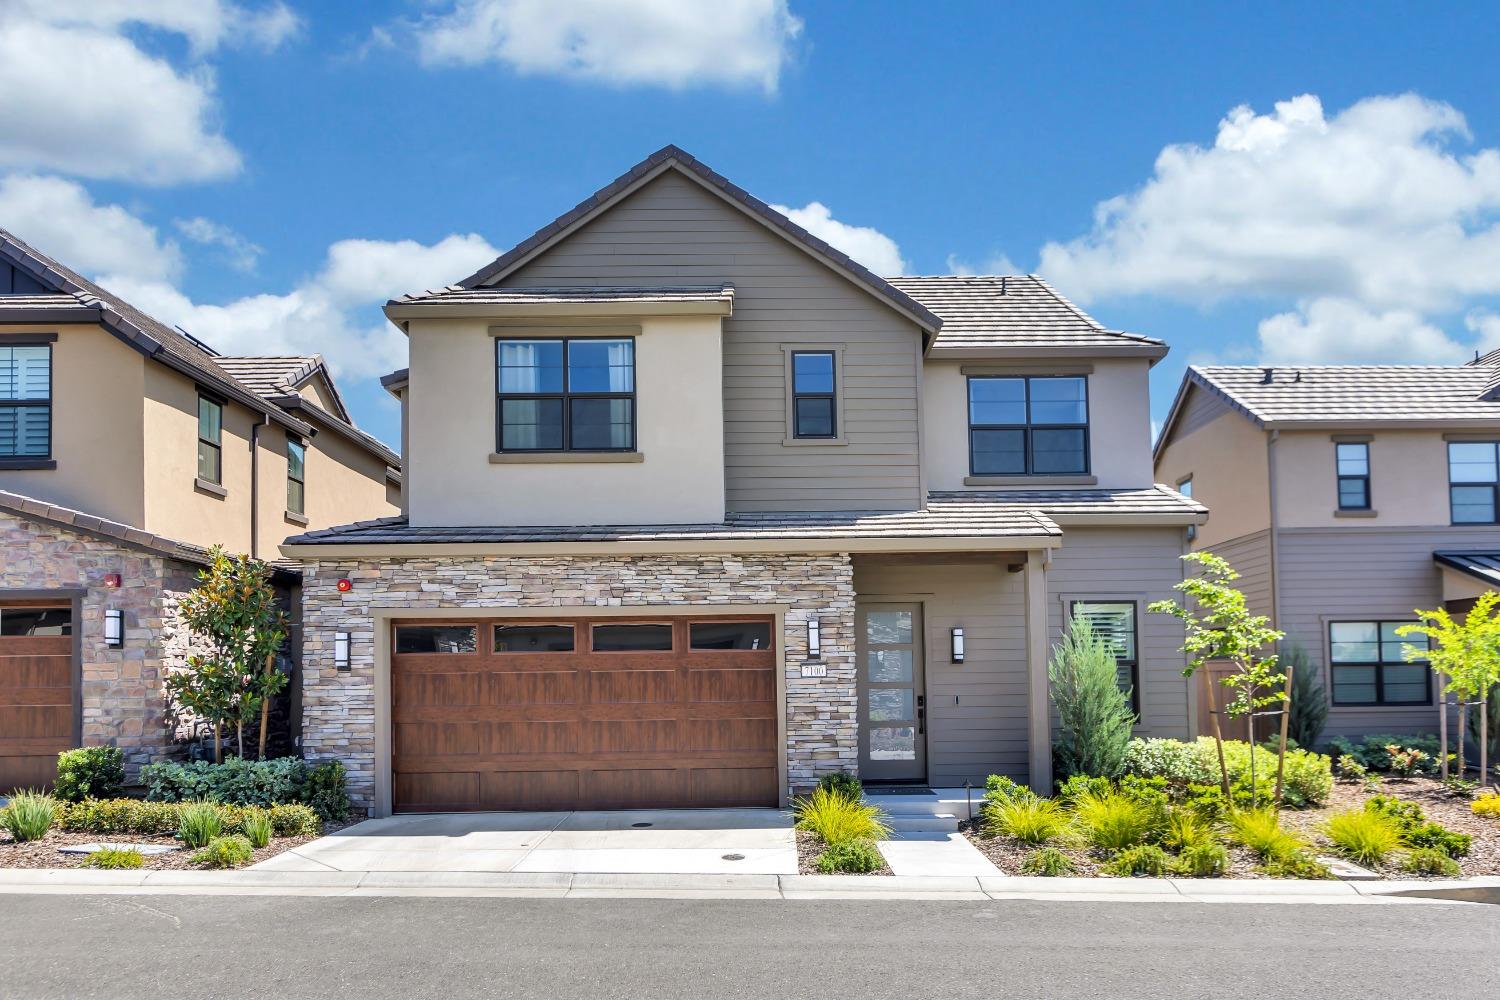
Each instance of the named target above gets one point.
<point>158,946</point>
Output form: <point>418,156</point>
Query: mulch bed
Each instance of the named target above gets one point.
<point>1440,805</point>
<point>809,846</point>
<point>44,854</point>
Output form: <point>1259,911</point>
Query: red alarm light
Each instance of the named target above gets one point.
<point>112,581</point>
<point>345,586</point>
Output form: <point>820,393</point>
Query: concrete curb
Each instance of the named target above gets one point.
<point>786,887</point>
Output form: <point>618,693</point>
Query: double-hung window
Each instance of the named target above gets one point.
<point>296,475</point>
<point>26,402</point>
<point>210,440</point>
<point>1368,667</point>
<point>1028,426</point>
<point>1186,489</point>
<point>1353,461</point>
<point>1115,623</point>
<point>566,394</point>
<point>814,401</point>
<point>1473,481</point>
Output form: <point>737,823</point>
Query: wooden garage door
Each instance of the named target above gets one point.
<point>36,692</point>
<point>583,714</point>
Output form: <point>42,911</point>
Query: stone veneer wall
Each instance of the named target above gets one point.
<point>124,702</point>
<point>339,712</point>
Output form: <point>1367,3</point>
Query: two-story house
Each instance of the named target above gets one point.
<point>698,509</point>
<point>127,448</point>
<point>1348,497</point>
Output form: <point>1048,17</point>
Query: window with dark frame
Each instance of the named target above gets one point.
<point>1116,623</point>
<point>1368,666</point>
<point>566,394</point>
<point>1352,459</point>
<point>1186,489</point>
<point>210,440</point>
<point>1028,425</point>
<point>26,401</point>
<point>296,475</point>
<point>814,399</point>
<point>1474,481</point>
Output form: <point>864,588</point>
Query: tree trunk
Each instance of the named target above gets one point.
<point>1286,720</point>
<point>1463,730</point>
<point>239,737</point>
<point>265,704</point>
<point>1484,737</point>
<point>218,741</point>
<point>1442,730</point>
<point>1213,717</point>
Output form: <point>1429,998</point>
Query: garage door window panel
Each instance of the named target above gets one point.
<point>533,639</point>
<point>437,639</point>
<point>632,638</point>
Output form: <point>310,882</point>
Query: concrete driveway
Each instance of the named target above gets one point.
<point>657,841</point>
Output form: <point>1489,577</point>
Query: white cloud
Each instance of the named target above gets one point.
<point>868,245</point>
<point>241,254</point>
<point>1373,220</point>
<point>670,43</point>
<point>60,218</point>
<point>998,264</point>
<point>79,95</point>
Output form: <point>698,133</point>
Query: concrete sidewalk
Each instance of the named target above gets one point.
<point>785,887</point>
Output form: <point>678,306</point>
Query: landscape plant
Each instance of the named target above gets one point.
<point>1260,831</point>
<point>1405,761</point>
<point>1142,859</point>
<point>295,820</point>
<point>836,818</point>
<point>89,773</point>
<point>1094,715</point>
<point>1031,820</point>
<point>1465,657</point>
<point>1048,862</point>
<point>1113,822</point>
<point>1308,709</point>
<point>1416,829</point>
<point>1432,862</point>
<point>29,815</point>
<point>1220,627</point>
<point>1487,804</point>
<point>256,826</point>
<point>1364,836</point>
<point>1207,859</point>
<point>198,823</point>
<point>852,857</point>
<point>1307,776</point>
<point>844,782</point>
<point>224,852</point>
<point>115,858</point>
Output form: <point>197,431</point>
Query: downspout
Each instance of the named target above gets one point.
<point>255,485</point>
<point>1275,553</point>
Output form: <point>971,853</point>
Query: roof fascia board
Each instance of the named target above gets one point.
<point>327,420</point>
<point>1129,520</point>
<point>1191,378</point>
<point>791,546</point>
<point>1154,352</point>
<point>396,310</point>
<point>52,314</point>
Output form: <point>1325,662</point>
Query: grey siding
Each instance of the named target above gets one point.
<point>976,710</point>
<point>673,232</point>
<point>1250,555</point>
<point>1364,573</point>
<point>1141,565</point>
<point>1201,408</point>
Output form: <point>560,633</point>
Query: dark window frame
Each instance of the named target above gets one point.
<point>45,342</point>
<point>217,446</point>
<point>1494,487</point>
<point>832,396</point>
<point>1340,477</point>
<point>293,441</point>
<point>1028,428</point>
<point>1185,487</point>
<point>594,627</point>
<point>1379,666</point>
<point>565,397</point>
<point>1135,641</point>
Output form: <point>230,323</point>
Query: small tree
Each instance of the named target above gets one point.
<point>1465,656</point>
<point>236,621</point>
<point>1220,627</point>
<point>1094,716</point>
<point>1308,711</point>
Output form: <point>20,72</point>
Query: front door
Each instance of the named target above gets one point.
<point>892,703</point>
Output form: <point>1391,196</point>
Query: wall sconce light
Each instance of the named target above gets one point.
<point>814,639</point>
<point>114,628</point>
<point>341,651</point>
<point>958,645</point>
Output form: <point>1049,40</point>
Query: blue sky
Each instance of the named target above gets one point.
<point>266,174</point>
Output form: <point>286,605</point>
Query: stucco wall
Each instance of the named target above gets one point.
<point>1408,479</point>
<point>1226,456</point>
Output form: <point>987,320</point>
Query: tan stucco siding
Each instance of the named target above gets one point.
<point>317,391</point>
<point>97,384</point>
<point>672,232</point>
<point>344,483</point>
<point>679,435</point>
<point>1408,478</point>
<point>1225,454</point>
<point>1119,402</point>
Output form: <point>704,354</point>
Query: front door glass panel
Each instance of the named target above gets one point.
<point>891,709</point>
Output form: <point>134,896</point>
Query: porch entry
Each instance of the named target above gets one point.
<point>892,694</point>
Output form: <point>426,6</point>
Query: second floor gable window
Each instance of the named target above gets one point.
<point>1353,461</point>
<point>566,394</point>
<point>1028,426</point>
<point>1473,479</point>
<point>210,440</point>
<point>814,409</point>
<point>26,402</point>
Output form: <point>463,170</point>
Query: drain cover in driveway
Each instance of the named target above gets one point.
<point>640,826</point>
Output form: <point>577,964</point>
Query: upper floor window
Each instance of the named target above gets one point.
<point>210,440</point>
<point>566,394</point>
<point>814,403</point>
<point>1473,481</point>
<point>296,475</point>
<point>26,401</point>
<point>1115,623</point>
<point>1031,426</point>
<point>1353,461</point>
<point>1368,665</point>
<point>1186,489</point>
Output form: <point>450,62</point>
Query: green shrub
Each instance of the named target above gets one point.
<point>838,819</point>
<point>89,773</point>
<point>1080,785</point>
<point>295,820</point>
<point>1094,716</point>
<point>1205,859</point>
<point>1185,829</point>
<point>29,815</point>
<point>198,823</point>
<point>843,782</point>
<point>1048,862</point>
<point>1142,859</point>
<point>1296,864</point>
<point>1308,778</point>
<point>999,788</point>
<point>1308,711</point>
<point>224,852</point>
<point>122,816</point>
<point>1150,793</point>
<point>328,795</point>
<point>256,827</point>
<point>1180,763</point>
<point>851,856</point>
<point>1430,861</point>
<point>1373,753</point>
<point>115,858</point>
<point>1261,832</point>
<point>1207,802</point>
<point>1348,767</point>
<point>1113,822</point>
<point>1029,820</point>
<point>235,781</point>
<point>1363,835</point>
<point>1416,829</point>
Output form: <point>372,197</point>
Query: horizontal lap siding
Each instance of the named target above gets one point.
<point>1250,555</point>
<point>673,232</point>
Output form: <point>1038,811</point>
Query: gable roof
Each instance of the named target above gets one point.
<point>674,158</point>
<point>275,376</point>
<point>999,313</point>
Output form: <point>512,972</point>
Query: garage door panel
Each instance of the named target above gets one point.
<point>17,696</point>
<point>532,687</point>
<point>726,786</point>
<point>731,684</point>
<point>626,788</point>
<point>529,790</point>
<point>446,688</point>
<point>37,672</point>
<point>38,712</point>
<point>543,737</point>
<point>728,734</point>
<point>29,770</point>
<point>633,736</point>
<point>30,722</point>
<point>436,792</point>
<point>439,739</point>
<point>632,686</point>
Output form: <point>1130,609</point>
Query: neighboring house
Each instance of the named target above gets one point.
<point>1348,497</point>
<point>698,509</point>
<point>127,449</point>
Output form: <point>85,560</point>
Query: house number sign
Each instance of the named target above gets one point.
<point>814,670</point>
